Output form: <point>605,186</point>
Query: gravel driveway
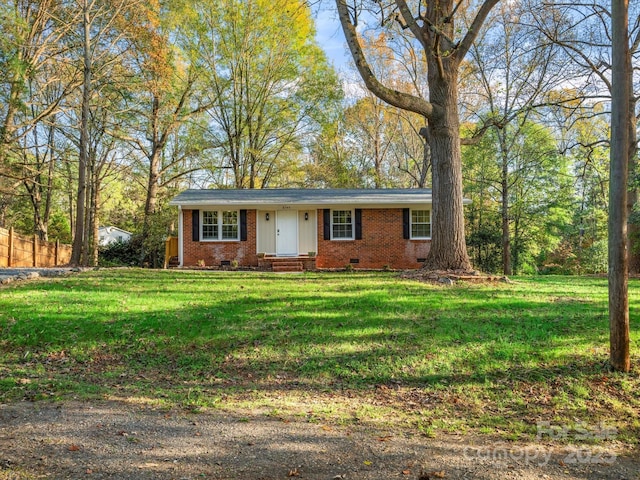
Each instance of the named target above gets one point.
<point>117,440</point>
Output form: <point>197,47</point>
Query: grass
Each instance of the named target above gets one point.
<point>340,347</point>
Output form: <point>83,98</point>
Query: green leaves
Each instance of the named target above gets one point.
<point>268,83</point>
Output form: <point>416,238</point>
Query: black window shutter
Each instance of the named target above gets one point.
<point>195,225</point>
<point>243,225</point>
<point>358,224</point>
<point>405,223</point>
<point>327,224</point>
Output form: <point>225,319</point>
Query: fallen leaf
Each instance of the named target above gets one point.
<point>89,471</point>
<point>406,472</point>
<point>386,438</point>
<point>367,462</point>
<point>73,448</point>
<point>294,472</point>
<point>327,428</point>
<point>439,474</point>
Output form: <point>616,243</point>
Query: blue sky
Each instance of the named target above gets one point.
<point>330,36</point>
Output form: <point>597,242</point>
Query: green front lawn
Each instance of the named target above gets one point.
<point>360,347</point>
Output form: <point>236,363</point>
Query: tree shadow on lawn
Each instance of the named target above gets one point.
<point>172,336</point>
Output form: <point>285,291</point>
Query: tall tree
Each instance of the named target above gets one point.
<point>584,30</point>
<point>394,152</point>
<point>102,44</point>
<point>433,26</point>
<point>582,132</point>
<point>332,160</point>
<point>34,79</point>
<point>515,69</point>
<point>374,128</point>
<point>80,230</point>
<point>268,81</point>
<point>618,177</point>
<point>167,96</point>
<point>539,195</point>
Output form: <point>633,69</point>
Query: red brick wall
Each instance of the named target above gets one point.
<point>381,245</point>
<point>215,252</point>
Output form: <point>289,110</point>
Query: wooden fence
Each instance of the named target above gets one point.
<point>171,250</point>
<point>21,251</point>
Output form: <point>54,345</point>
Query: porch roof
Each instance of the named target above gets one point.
<point>302,197</point>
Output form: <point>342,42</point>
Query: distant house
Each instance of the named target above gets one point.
<point>108,235</point>
<point>304,228</point>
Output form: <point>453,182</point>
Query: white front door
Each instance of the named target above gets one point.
<point>287,233</point>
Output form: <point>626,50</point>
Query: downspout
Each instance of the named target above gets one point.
<point>180,237</point>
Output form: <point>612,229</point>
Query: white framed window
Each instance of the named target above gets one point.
<point>342,224</point>
<point>420,224</point>
<point>219,225</point>
<point>210,227</point>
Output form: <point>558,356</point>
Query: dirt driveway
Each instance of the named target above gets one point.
<point>117,440</point>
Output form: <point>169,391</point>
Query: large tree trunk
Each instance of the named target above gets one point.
<point>618,245</point>
<point>632,199</point>
<point>153,187</point>
<point>88,217</point>
<point>152,190</point>
<point>95,222</point>
<point>448,247</point>
<point>77,253</point>
<point>50,173</point>
<point>504,210</point>
<point>435,30</point>
<point>154,177</point>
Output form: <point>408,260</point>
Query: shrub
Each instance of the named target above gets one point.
<point>594,257</point>
<point>120,253</point>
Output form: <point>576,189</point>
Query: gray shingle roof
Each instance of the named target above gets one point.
<point>301,196</point>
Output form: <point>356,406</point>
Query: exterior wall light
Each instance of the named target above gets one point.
<point>266,216</point>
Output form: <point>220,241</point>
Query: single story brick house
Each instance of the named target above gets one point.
<point>304,228</point>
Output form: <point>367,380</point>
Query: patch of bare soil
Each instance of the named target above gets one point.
<point>114,440</point>
<point>449,277</point>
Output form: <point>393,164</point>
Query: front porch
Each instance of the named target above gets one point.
<point>299,263</point>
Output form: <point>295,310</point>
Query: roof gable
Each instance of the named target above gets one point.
<point>111,229</point>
